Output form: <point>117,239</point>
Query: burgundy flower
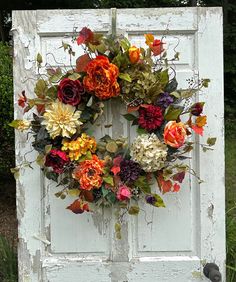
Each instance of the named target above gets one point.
<point>70,91</point>
<point>57,160</point>
<point>129,171</point>
<point>196,109</point>
<point>150,117</point>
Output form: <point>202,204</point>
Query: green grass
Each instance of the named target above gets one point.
<point>8,261</point>
<point>230,158</point>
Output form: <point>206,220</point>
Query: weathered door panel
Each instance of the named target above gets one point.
<point>168,244</point>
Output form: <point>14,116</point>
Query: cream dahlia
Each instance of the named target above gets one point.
<point>61,119</point>
<point>149,152</point>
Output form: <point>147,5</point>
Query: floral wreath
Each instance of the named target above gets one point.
<point>107,171</point>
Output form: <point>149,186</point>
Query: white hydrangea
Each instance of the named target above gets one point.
<point>149,152</point>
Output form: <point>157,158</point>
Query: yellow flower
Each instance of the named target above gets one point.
<point>79,147</point>
<point>20,124</point>
<point>61,119</point>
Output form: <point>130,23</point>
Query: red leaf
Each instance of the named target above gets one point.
<point>22,100</point>
<point>115,170</point>
<point>88,195</point>
<point>82,62</point>
<point>85,36</point>
<point>40,108</point>
<point>78,207</point>
<point>132,109</point>
<point>197,129</point>
<point>164,185</point>
<point>179,176</point>
<point>116,165</point>
<point>176,187</point>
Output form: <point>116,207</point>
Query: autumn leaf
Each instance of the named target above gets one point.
<point>197,129</point>
<point>82,62</point>
<point>88,195</point>
<point>78,206</point>
<point>176,187</point>
<point>165,186</point>
<point>85,36</point>
<point>132,109</point>
<point>116,165</point>
<point>179,176</point>
<point>149,38</point>
<point>22,100</point>
<point>201,121</point>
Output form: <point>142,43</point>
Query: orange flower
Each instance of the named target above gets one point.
<point>102,78</point>
<point>175,134</point>
<point>134,54</point>
<point>89,172</point>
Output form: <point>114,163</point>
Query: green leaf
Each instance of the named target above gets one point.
<point>105,191</point>
<point>164,77</point>
<point>143,184</point>
<point>125,44</point>
<point>40,159</point>
<point>130,117</point>
<point>57,75</point>
<point>51,175</point>
<point>125,76</point>
<point>52,92</point>
<point>134,210</point>
<point>205,82</point>
<point>108,179</point>
<point>73,192</point>
<point>111,197</point>
<point>87,156</point>
<point>211,141</point>
<point>159,201</point>
<point>173,112</point>
<point>141,130</point>
<point>175,94</point>
<point>16,172</point>
<point>117,227</point>
<point>39,59</point>
<point>74,76</point>
<point>187,93</point>
<point>41,88</point>
<point>111,146</point>
<point>15,123</point>
<point>48,148</point>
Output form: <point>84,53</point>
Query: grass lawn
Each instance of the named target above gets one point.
<point>230,158</point>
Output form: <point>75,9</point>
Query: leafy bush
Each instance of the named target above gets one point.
<point>8,261</point>
<point>6,109</point>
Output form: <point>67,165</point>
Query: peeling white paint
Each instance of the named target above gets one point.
<point>166,245</point>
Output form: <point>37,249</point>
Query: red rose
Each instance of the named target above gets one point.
<point>70,91</point>
<point>196,109</point>
<point>150,117</point>
<point>57,160</point>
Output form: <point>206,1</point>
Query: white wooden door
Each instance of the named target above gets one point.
<point>170,244</point>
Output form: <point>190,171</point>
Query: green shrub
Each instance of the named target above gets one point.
<point>6,109</point>
<point>8,261</point>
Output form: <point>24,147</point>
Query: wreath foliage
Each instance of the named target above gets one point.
<point>108,171</point>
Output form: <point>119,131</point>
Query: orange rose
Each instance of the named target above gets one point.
<point>134,54</point>
<point>101,78</point>
<point>175,134</point>
<point>89,172</point>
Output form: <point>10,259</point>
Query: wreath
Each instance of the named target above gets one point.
<point>108,171</point>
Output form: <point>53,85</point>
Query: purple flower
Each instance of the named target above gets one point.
<point>129,171</point>
<point>164,100</point>
<point>150,199</point>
